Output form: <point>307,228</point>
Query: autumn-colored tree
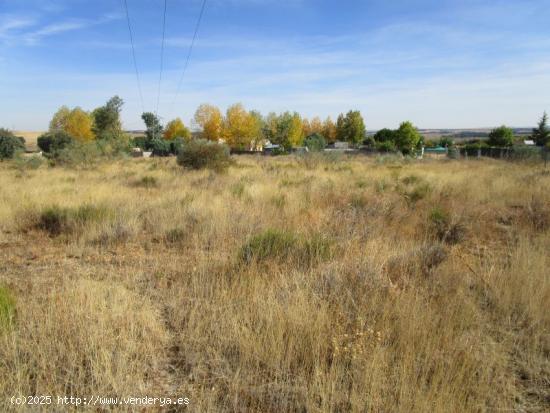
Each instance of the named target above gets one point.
<point>296,132</point>
<point>176,129</point>
<point>76,123</point>
<point>313,126</point>
<point>240,128</point>
<point>210,119</point>
<point>329,130</point>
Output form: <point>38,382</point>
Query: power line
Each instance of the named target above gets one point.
<point>189,53</point>
<point>134,55</point>
<point>161,57</point>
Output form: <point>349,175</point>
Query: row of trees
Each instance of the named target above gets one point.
<point>242,129</point>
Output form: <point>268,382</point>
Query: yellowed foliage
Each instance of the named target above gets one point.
<point>210,119</point>
<point>76,122</point>
<point>240,128</point>
<point>175,128</point>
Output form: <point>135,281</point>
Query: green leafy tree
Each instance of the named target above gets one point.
<point>541,135</point>
<point>10,144</point>
<point>340,128</point>
<point>351,128</point>
<point>501,137</point>
<point>155,129</point>
<point>106,119</point>
<point>315,142</point>
<point>385,135</point>
<point>407,138</point>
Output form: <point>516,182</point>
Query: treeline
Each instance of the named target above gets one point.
<point>241,129</point>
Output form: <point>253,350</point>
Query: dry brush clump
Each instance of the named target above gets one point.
<point>286,284</point>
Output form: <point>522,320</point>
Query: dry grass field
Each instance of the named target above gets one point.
<point>30,139</point>
<point>286,284</point>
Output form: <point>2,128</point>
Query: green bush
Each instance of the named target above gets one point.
<point>23,163</point>
<point>270,244</point>
<point>176,145</point>
<point>315,142</point>
<point>201,153</point>
<point>10,144</point>
<point>7,308</point>
<point>51,143</point>
<point>140,142</point>
<point>444,228</point>
<point>386,146</point>
<point>56,220</point>
<point>77,154</point>
<point>281,246</point>
<point>160,147</point>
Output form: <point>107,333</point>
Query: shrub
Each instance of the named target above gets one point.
<point>271,244</point>
<point>200,153</point>
<point>176,145</point>
<point>7,308</point>
<point>386,146</point>
<point>54,142</point>
<point>444,227</point>
<point>175,235</point>
<point>315,142</point>
<point>56,220</point>
<point>281,246</point>
<point>147,182</point>
<point>140,142</point>
<point>160,147</point>
<point>10,144</point>
<point>23,163</point>
<point>501,136</point>
<point>77,154</point>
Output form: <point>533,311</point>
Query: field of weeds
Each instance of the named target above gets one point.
<point>317,284</point>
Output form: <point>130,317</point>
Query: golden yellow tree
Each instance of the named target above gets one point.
<point>76,123</point>
<point>240,128</point>
<point>296,132</point>
<point>329,130</point>
<point>176,129</point>
<point>312,126</point>
<point>210,119</point>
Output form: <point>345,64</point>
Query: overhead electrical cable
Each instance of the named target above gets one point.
<point>161,56</point>
<point>189,53</point>
<point>134,55</point>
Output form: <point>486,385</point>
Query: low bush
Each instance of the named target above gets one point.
<point>7,308</point>
<point>77,154</point>
<point>56,220</point>
<point>315,142</point>
<point>23,163</point>
<point>175,235</point>
<point>281,246</point>
<point>160,147</point>
<point>444,227</point>
<point>10,144</point>
<point>386,146</point>
<point>51,143</point>
<point>146,182</point>
<point>201,154</point>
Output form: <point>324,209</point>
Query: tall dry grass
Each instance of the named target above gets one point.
<point>290,284</point>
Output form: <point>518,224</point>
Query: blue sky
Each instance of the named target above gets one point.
<point>442,63</point>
